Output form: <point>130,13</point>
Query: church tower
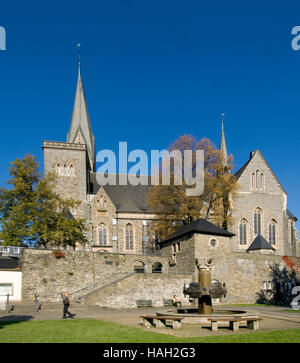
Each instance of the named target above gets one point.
<point>73,160</point>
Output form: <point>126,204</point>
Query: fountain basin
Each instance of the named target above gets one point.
<point>191,316</point>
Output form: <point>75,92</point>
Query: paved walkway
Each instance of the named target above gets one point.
<point>274,317</point>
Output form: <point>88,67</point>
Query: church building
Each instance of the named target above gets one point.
<point>119,219</point>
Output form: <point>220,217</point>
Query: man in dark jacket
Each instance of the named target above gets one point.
<point>66,303</point>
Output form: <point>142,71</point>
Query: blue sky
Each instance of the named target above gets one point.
<point>153,71</point>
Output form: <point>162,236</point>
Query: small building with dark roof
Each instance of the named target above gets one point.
<point>197,239</point>
<point>260,245</point>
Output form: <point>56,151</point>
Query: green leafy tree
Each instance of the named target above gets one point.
<point>32,212</point>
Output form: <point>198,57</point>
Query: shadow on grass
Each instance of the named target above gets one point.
<point>13,319</point>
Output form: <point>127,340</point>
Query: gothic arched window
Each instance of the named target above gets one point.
<point>58,169</point>
<point>257,221</point>
<point>243,232</point>
<point>272,232</point>
<point>262,181</point>
<point>71,170</point>
<point>129,236</point>
<point>253,181</point>
<point>257,179</point>
<point>102,235</point>
<point>65,170</point>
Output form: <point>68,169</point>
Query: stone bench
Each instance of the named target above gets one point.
<point>144,303</point>
<point>234,323</point>
<point>161,321</point>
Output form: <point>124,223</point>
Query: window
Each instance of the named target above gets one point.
<point>262,181</point>
<point>253,181</point>
<point>58,169</point>
<point>157,267</point>
<point>213,242</point>
<point>139,267</point>
<point>129,236</point>
<point>267,285</point>
<point>65,170</point>
<point>243,232</point>
<point>102,235</point>
<point>257,179</point>
<point>257,221</point>
<point>6,289</point>
<point>71,170</point>
<point>272,232</point>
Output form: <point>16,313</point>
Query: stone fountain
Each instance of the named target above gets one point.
<point>205,314</point>
<point>205,290</point>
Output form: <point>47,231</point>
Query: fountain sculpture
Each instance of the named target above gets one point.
<point>205,290</point>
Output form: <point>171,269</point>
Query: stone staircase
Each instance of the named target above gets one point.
<point>89,290</point>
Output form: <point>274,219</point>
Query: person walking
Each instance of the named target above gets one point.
<point>66,304</point>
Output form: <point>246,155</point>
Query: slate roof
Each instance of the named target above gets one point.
<point>241,170</point>
<point>81,121</point>
<point>201,226</point>
<point>8,263</point>
<point>290,215</point>
<point>126,198</point>
<point>259,243</point>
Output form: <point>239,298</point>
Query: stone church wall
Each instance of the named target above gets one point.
<point>270,198</point>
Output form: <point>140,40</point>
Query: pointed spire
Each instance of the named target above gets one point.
<point>223,148</point>
<point>80,129</point>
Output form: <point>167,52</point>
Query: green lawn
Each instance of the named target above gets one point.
<point>97,331</point>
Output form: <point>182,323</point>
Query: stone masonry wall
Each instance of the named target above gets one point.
<point>70,186</point>
<point>270,198</point>
<point>155,287</point>
<point>243,273</point>
<point>48,276</point>
<point>116,286</point>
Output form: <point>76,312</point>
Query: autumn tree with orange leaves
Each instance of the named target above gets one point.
<point>174,208</point>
